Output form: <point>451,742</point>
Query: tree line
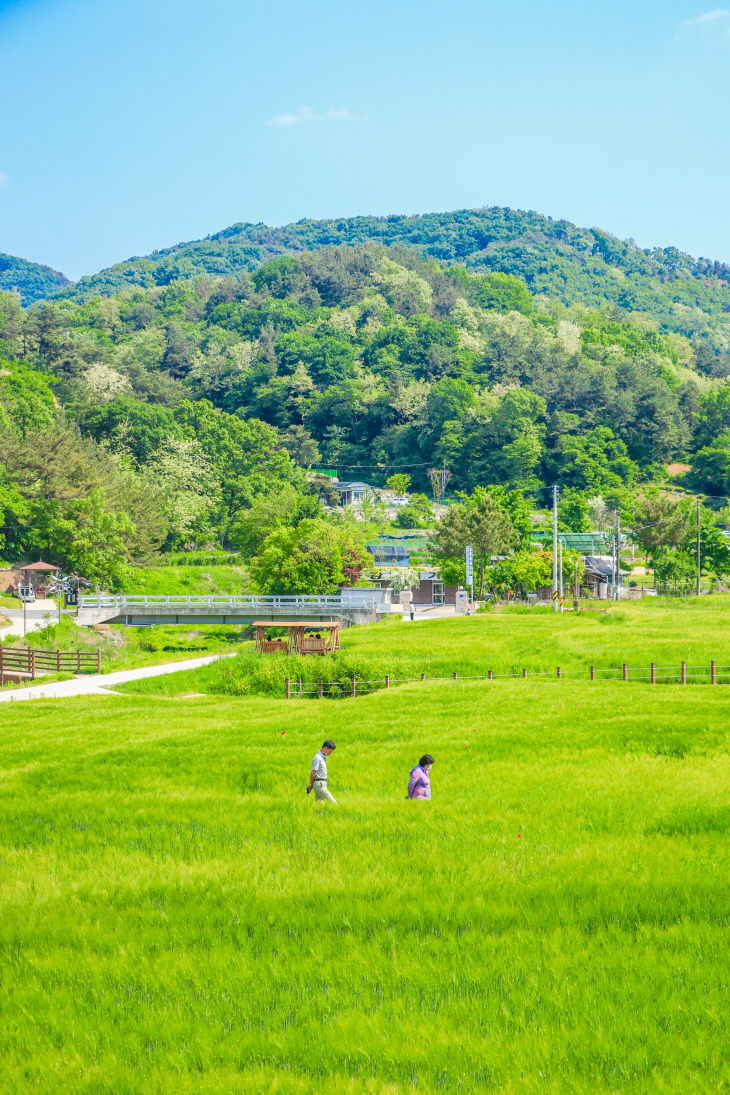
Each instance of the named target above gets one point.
<point>190,414</point>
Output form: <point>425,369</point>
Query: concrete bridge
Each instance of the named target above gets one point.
<point>351,606</point>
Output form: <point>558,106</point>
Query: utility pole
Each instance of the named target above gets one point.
<point>560,572</point>
<point>618,556</point>
<point>555,547</point>
<point>699,557</point>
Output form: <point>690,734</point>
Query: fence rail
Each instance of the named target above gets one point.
<point>678,674</point>
<point>29,661</point>
<point>354,600</point>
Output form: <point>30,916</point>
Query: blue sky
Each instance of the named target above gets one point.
<point>126,127</point>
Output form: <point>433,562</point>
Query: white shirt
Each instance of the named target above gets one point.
<point>319,766</point>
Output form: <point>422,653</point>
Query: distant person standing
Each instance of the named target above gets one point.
<point>419,781</point>
<point>318,774</point>
<point>413,611</point>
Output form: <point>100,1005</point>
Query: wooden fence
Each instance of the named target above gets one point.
<point>17,661</point>
<point>677,674</point>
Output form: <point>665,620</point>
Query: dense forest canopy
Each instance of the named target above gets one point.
<point>554,257</point>
<point>30,280</point>
<point>208,398</point>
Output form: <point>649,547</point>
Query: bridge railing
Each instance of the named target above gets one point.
<point>366,598</point>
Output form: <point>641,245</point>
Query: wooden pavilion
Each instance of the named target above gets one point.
<point>304,638</point>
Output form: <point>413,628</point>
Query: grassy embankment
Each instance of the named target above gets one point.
<point>192,579</point>
<point>176,918</point>
<point>130,647</point>
<point>505,641</point>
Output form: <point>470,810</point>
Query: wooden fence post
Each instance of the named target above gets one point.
<point>559,673</point>
<point>625,669</point>
<point>593,672</point>
<point>32,664</point>
<point>684,672</point>
<point>98,661</point>
<point>58,661</point>
<point>455,675</point>
<point>78,661</point>
<point>653,673</point>
<point>713,672</point>
<point>354,686</point>
<point>387,681</point>
<point>288,689</point>
<point>321,688</point>
<point>524,672</point>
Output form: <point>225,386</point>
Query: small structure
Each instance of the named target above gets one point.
<point>351,492</point>
<point>36,575</point>
<point>315,638</point>
<point>430,591</point>
<point>599,576</point>
<point>389,551</point>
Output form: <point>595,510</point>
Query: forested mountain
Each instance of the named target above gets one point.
<point>572,264</point>
<point>29,279</point>
<point>188,413</point>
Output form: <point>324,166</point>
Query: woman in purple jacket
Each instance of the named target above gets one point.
<point>419,782</point>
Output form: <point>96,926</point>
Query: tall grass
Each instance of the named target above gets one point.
<point>177,916</point>
<point>504,642</point>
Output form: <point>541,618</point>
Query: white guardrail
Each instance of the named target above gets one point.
<point>365,598</point>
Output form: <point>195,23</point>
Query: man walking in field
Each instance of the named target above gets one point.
<point>318,774</point>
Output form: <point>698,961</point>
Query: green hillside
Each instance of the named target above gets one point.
<point>30,280</point>
<point>572,264</point>
<point>187,415</point>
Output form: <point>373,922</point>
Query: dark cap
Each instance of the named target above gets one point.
<point>329,744</point>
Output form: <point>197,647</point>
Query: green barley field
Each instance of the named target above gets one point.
<point>178,917</point>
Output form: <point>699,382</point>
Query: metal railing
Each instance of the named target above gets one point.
<point>363,599</point>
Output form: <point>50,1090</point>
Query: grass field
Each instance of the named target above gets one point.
<point>178,917</point>
<point>504,641</point>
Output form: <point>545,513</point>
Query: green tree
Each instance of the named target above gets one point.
<point>711,465</point>
<point>573,511</point>
<point>659,522</point>
<point>516,506</point>
<point>596,460</point>
<point>478,521</point>
<point>417,513</point>
<point>190,492</point>
<point>675,572</point>
<point>315,557</point>
<point>92,541</point>
<point>285,507</point>
<point>398,483</point>
<point>521,573</point>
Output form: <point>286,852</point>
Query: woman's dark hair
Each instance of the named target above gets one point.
<point>426,759</point>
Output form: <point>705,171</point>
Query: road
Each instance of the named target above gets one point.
<point>102,684</point>
<point>38,614</point>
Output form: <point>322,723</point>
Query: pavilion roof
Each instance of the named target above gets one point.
<point>297,623</point>
<point>39,566</point>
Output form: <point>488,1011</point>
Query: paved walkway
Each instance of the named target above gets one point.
<point>102,684</point>
<point>38,614</point>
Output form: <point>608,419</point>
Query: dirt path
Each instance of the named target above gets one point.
<point>102,684</point>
